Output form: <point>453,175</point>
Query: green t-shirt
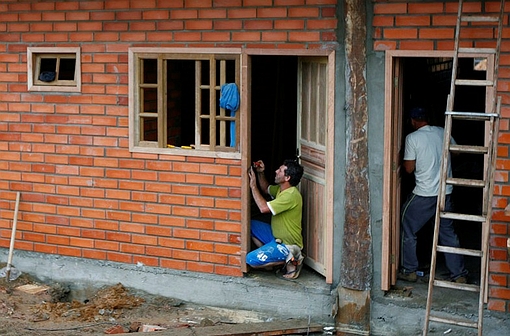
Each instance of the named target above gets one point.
<point>287,210</point>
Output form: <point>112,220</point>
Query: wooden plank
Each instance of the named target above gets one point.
<point>454,321</point>
<point>330,165</point>
<point>244,140</point>
<point>290,327</point>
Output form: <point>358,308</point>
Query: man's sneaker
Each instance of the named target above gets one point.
<point>411,277</point>
<point>460,280</point>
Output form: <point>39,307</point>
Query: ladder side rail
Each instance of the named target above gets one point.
<point>486,229</point>
<point>488,161</point>
<point>498,50</point>
<point>455,62</point>
<point>441,200</point>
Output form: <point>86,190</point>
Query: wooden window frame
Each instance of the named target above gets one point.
<point>161,55</point>
<point>34,57</point>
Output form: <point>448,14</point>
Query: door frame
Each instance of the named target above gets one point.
<point>245,126</point>
<point>390,229</point>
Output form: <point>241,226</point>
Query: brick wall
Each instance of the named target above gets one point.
<point>431,26</point>
<point>83,193</point>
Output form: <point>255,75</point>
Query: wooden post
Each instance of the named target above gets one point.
<point>353,316</point>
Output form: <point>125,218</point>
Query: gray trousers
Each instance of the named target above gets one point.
<point>417,211</point>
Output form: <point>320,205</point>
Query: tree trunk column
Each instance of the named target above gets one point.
<point>353,317</point>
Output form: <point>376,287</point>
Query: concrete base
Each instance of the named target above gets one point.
<point>258,291</point>
<point>308,297</point>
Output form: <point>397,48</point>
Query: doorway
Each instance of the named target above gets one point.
<point>292,118</point>
<point>412,80</point>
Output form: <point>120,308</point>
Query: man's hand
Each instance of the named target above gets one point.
<point>259,166</point>
<point>253,178</point>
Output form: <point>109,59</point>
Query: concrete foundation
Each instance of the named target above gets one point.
<point>398,312</point>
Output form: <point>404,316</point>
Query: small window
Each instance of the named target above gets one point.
<point>175,102</point>
<point>54,69</point>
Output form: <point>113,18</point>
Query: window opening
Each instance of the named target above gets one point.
<point>176,101</point>
<point>54,69</point>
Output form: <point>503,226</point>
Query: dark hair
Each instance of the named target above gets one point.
<point>294,171</point>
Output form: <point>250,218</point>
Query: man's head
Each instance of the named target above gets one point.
<point>419,113</point>
<point>419,117</point>
<point>290,171</point>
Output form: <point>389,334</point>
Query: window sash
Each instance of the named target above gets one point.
<point>217,122</point>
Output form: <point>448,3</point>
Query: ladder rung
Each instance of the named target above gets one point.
<point>469,149</point>
<point>454,285</point>
<point>479,18</point>
<point>459,250</point>
<point>471,218</point>
<point>472,115</point>
<point>474,82</point>
<point>455,321</point>
<point>477,50</point>
<point>465,182</point>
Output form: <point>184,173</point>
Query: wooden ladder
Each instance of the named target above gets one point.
<point>490,118</point>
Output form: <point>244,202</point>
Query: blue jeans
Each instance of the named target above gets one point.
<point>417,211</point>
<point>271,251</point>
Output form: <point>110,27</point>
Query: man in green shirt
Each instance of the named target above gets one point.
<point>281,241</point>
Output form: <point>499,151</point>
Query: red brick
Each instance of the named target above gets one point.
<point>214,213</point>
<point>400,33</point>
<point>389,8</point>
<point>429,8</point>
<point>200,267</point>
<point>213,258</point>
<point>119,257</point>
<point>274,36</point>
<point>497,305</point>
<point>69,251</point>
<point>227,226</point>
<point>417,45</point>
<point>210,13</point>
<point>145,260</point>
<point>214,236</point>
<point>135,228</point>
<point>228,271</point>
<point>173,264</point>
<point>186,255</point>
<point>500,293</point>
<point>156,15</point>
<point>45,248</point>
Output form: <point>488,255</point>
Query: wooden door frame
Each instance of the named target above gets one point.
<point>388,274</point>
<point>245,126</point>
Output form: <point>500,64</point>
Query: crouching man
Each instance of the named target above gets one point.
<point>281,242</point>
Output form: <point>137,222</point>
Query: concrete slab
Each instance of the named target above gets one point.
<point>394,313</point>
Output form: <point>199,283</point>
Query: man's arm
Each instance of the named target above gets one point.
<point>409,165</point>
<point>257,195</point>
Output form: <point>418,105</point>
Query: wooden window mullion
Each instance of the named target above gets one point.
<point>161,104</point>
<point>198,104</point>
<point>223,128</point>
<point>212,102</point>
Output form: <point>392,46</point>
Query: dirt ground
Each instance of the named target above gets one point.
<point>28,307</point>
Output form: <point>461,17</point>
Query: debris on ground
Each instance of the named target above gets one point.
<point>31,307</point>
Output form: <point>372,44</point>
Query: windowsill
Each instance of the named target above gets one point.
<point>186,152</point>
<point>49,88</point>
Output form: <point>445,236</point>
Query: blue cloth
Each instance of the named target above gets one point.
<point>229,100</point>
<point>271,251</point>
<point>229,97</point>
<point>417,211</point>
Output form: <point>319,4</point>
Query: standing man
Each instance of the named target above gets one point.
<point>423,152</point>
<point>281,241</point>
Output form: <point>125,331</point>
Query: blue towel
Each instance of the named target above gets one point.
<point>229,100</point>
<point>229,97</point>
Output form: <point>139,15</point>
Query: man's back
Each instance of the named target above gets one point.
<point>425,146</point>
